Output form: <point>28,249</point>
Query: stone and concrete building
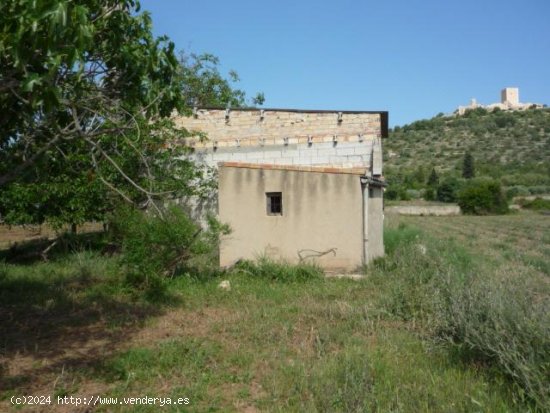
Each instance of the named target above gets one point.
<point>509,100</point>
<point>298,185</point>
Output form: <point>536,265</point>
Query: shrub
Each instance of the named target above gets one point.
<point>433,179</point>
<point>537,204</point>
<point>474,113</point>
<point>395,239</point>
<point>413,194</point>
<point>403,194</point>
<point>482,196</point>
<point>391,193</point>
<point>539,189</point>
<point>517,190</point>
<point>447,190</point>
<point>505,119</point>
<point>155,245</point>
<point>500,323</point>
<point>501,320</point>
<point>429,194</point>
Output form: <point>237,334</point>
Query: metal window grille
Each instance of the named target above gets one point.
<point>274,203</point>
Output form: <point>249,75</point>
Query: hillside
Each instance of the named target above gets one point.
<point>512,147</point>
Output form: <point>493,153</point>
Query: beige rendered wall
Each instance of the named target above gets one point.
<point>375,224</point>
<point>321,212</point>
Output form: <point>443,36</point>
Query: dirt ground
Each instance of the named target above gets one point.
<point>10,235</point>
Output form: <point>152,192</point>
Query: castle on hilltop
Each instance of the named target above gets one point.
<point>509,100</point>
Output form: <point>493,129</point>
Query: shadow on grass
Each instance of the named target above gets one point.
<point>66,316</point>
<point>28,252</point>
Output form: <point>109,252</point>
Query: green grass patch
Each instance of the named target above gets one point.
<point>435,326</point>
<point>268,269</point>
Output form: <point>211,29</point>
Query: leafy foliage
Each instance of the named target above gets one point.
<point>85,87</point>
<point>86,92</point>
<point>433,179</point>
<point>447,190</point>
<point>537,204</point>
<point>160,245</point>
<point>203,85</point>
<point>468,171</point>
<point>482,196</point>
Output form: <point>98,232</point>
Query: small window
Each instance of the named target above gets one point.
<point>274,203</point>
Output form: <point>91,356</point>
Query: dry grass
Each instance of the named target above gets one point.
<point>519,240</point>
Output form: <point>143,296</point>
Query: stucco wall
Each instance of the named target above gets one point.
<point>375,224</point>
<point>321,212</point>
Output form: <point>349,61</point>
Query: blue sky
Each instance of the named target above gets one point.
<point>413,58</point>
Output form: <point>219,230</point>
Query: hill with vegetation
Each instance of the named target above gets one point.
<point>512,148</point>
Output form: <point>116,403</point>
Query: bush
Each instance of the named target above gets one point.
<point>539,189</point>
<point>429,194</point>
<point>537,204</point>
<point>278,271</point>
<point>395,239</point>
<point>391,193</point>
<point>504,120</point>
<point>500,323</point>
<point>500,320</point>
<point>413,194</point>
<point>447,190</point>
<point>517,190</point>
<point>482,196</point>
<point>403,195</point>
<point>526,178</point>
<point>154,245</point>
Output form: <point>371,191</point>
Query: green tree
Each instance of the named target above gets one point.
<point>447,190</point>
<point>433,179</point>
<point>468,171</point>
<point>86,94</point>
<point>204,85</point>
<point>420,175</point>
<point>85,90</point>
<point>482,196</point>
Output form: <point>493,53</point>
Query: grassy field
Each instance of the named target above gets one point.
<point>71,327</point>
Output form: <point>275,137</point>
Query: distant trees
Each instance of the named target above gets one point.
<point>433,179</point>
<point>510,147</point>
<point>468,171</point>
<point>447,190</point>
<point>431,186</point>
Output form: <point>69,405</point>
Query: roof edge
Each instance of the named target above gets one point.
<point>293,110</point>
<point>360,171</point>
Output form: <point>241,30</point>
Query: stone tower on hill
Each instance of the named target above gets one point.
<point>509,100</point>
<point>510,96</point>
